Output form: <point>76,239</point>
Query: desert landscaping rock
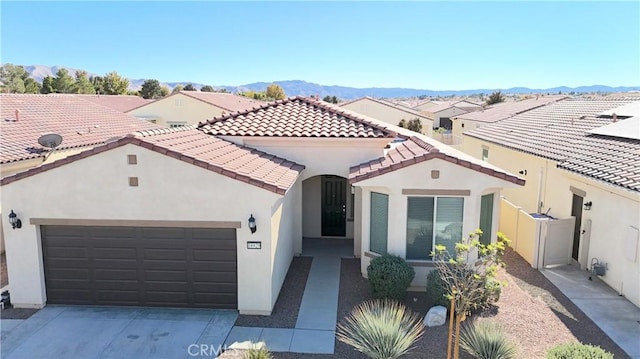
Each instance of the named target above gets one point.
<point>436,316</point>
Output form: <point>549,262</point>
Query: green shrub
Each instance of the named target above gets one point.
<point>436,293</point>
<point>389,277</point>
<point>578,350</point>
<point>257,351</point>
<point>485,340</point>
<point>381,329</point>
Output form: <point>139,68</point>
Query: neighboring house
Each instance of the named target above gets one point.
<point>500,111</point>
<point>581,159</point>
<point>170,223</point>
<point>122,103</point>
<point>82,125</point>
<point>431,103</point>
<point>388,112</point>
<point>442,114</point>
<point>191,107</point>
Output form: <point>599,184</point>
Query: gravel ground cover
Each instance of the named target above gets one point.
<point>534,314</point>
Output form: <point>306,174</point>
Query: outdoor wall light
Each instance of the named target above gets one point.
<point>252,224</point>
<point>14,220</point>
<point>587,206</point>
<point>523,172</point>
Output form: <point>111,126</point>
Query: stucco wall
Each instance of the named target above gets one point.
<point>387,114</point>
<point>450,113</point>
<point>177,108</point>
<point>452,177</point>
<point>616,210</point>
<point>97,188</point>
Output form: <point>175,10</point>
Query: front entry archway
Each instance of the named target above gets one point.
<point>334,206</point>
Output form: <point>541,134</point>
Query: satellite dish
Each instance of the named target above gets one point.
<point>50,140</point>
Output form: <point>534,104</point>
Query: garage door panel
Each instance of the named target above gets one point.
<point>123,274</point>
<point>174,267</point>
<point>115,253</point>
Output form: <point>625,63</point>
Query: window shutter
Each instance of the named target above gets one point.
<point>486,218</point>
<point>379,225</point>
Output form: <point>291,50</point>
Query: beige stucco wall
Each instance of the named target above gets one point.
<point>616,210</point>
<point>177,108</point>
<point>97,187</point>
<point>387,114</point>
<point>452,177</point>
<point>469,125</point>
<point>450,112</point>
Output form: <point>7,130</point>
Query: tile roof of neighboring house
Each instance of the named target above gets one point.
<point>297,117</point>
<point>192,146</point>
<point>122,103</point>
<point>415,150</point>
<point>559,131</point>
<point>387,103</point>
<point>448,104</point>
<point>504,110</point>
<point>80,123</point>
<point>226,101</point>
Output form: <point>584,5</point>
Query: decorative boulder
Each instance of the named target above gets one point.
<point>436,316</point>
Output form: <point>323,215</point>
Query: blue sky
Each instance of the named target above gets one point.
<point>427,45</point>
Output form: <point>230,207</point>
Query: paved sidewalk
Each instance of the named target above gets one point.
<point>314,332</point>
<point>614,314</point>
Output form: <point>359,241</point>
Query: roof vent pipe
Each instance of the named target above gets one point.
<point>17,115</point>
<point>614,117</point>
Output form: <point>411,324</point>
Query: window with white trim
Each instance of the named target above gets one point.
<point>379,224</point>
<point>433,221</point>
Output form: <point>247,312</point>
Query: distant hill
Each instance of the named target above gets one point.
<point>303,88</point>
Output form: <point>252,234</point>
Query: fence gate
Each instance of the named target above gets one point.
<point>557,241</point>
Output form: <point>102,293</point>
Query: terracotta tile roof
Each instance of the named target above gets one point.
<point>297,117</point>
<point>226,101</point>
<point>559,131</point>
<point>187,144</point>
<point>80,123</point>
<point>122,103</point>
<point>408,110</point>
<point>416,150</point>
<point>504,110</point>
<point>462,104</point>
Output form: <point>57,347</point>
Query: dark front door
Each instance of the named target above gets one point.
<point>576,211</point>
<point>334,206</point>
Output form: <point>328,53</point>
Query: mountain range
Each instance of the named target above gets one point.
<point>303,88</point>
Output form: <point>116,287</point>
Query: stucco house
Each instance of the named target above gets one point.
<point>190,107</point>
<point>387,112</point>
<point>80,121</point>
<point>581,159</point>
<point>442,114</point>
<point>211,216</point>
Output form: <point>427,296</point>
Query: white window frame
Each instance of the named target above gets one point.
<point>434,223</point>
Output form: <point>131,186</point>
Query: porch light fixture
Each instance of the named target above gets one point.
<point>14,220</point>
<point>523,172</point>
<point>252,224</point>
<point>587,206</point>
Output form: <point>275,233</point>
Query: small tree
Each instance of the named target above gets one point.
<point>63,82</point>
<point>465,280</point>
<point>190,87</point>
<point>151,89</point>
<point>114,84</point>
<point>31,86</point>
<point>275,92</point>
<point>48,85</point>
<point>330,99</point>
<point>82,84</point>
<point>207,88</point>
<point>414,124</point>
<point>495,97</point>
<point>177,89</point>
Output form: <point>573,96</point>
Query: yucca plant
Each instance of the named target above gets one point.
<point>381,329</point>
<point>257,351</point>
<point>485,340</point>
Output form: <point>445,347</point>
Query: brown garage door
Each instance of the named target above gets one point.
<point>133,266</point>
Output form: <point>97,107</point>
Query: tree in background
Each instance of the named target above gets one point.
<point>164,91</point>
<point>151,89</point>
<point>177,89</point>
<point>31,86</point>
<point>190,87</point>
<point>115,84</point>
<point>260,95</point>
<point>330,99</point>
<point>13,78</point>
<point>414,125</point>
<point>275,92</point>
<point>98,84</point>
<point>63,82</point>
<point>495,97</point>
<point>207,88</point>
<point>48,85</point>
<point>82,84</point>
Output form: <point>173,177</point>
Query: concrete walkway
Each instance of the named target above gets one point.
<point>614,314</point>
<point>315,327</point>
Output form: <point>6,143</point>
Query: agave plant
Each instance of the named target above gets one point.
<point>257,351</point>
<point>485,340</point>
<point>381,329</point>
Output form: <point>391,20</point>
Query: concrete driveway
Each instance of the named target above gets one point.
<point>106,332</point>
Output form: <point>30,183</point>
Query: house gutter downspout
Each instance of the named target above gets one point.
<point>539,199</point>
